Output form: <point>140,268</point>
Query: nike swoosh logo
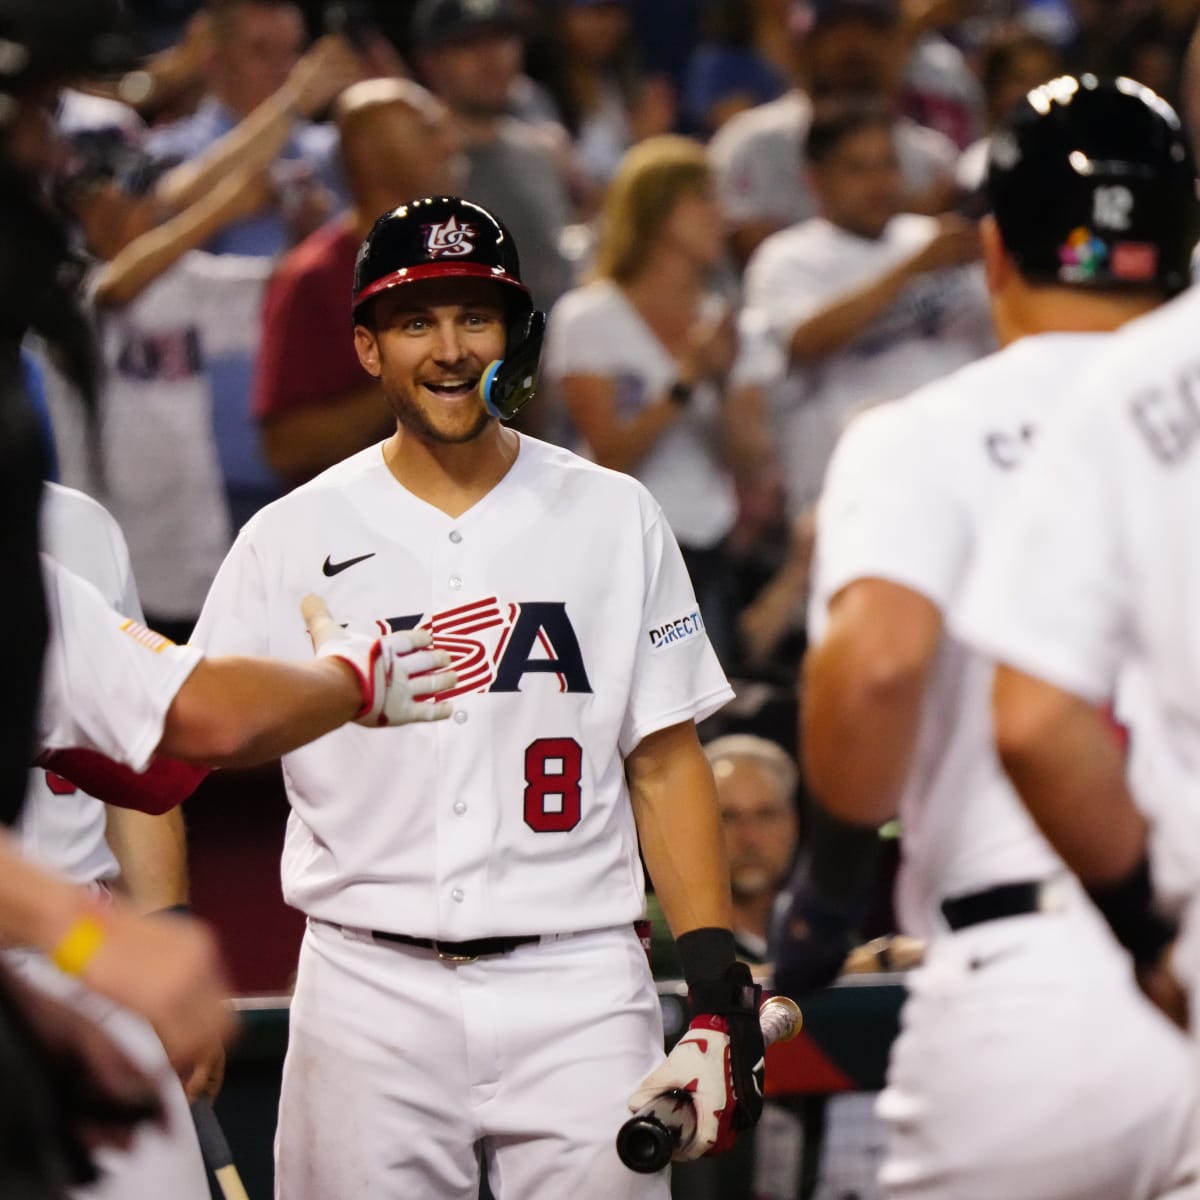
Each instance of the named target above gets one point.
<point>330,569</point>
<point>986,960</point>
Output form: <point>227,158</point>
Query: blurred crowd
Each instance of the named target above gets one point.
<point>747,220</point>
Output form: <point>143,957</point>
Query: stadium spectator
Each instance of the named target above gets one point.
<point>602,99</point>
<point>256,44</point>
<point>867,301</point>
<point>469,54</point>
<point>854,48</point>
<point>315,404</point>
<point>167,309</point>
<point>939,89</point>
<point>747,59</point>
<point>646,359</point>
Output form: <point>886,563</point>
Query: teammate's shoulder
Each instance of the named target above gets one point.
<point>57,498</point>
<point>1158,343</point>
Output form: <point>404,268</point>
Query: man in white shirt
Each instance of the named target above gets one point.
<point>853,48</point>
<point>1010,1020</point>
<point>866,301</point>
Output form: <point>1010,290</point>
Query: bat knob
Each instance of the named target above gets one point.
<point>645,1144</point>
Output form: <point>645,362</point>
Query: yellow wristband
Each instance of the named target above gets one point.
<point>78,946</point>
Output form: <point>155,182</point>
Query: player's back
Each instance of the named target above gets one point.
<point>925,474</point>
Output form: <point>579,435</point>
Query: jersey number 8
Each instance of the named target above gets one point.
<point>553,770</point>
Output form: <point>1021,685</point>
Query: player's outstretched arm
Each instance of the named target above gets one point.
<point>235,711</point>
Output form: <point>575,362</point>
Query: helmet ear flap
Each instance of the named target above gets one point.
<point>509,383</point>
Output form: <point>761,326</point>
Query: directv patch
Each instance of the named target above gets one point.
<point>678,630</point>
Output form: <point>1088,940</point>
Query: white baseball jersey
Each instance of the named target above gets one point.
<point>61,827</point>
<point>913,491</point>
<point>938,322</point>
<point>1096,570</point>
<point>563,600</point>
<point>757,156</point>
<point>171,503</point>
<point>912,486</point>
<point>107,680</point>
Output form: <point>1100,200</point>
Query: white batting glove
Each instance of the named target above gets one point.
<point>392,669</point>
<point>698,1065</point>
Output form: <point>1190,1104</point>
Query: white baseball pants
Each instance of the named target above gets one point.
<point>402,1070</point>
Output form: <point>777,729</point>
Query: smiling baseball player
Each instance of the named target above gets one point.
<point>470,981</point>
<point>1025,1004</point>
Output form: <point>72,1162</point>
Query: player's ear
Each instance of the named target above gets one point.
<point>367,348</point>
<point>997,265</point>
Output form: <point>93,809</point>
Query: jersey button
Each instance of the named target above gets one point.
<point>455,582</point>
<point>455,536</point>
<point>459,807</point>
<point>460,717</point>
<point>457,895</point>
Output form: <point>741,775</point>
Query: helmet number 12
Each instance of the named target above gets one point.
<point>1112,207</point>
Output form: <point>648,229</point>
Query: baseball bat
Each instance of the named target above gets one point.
<point>646,1142</point>
<point>215,1150</point>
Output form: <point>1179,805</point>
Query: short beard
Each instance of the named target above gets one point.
<point>416,422</point>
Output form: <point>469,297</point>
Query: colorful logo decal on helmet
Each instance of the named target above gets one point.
<point>1082,256</point>
<point>451,238</point>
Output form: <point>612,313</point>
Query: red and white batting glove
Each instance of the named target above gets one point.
<point>698,1065</point>
<point>394,669</point>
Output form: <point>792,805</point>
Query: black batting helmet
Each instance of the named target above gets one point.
<point>445,237</point>
<point>1092,184</point>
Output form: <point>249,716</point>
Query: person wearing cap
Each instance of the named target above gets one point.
<point>313,403</point>
<point>470,983</point>
<point>846,49</point>
<point>469,54</point>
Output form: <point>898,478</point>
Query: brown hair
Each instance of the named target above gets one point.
<point>648,183</point>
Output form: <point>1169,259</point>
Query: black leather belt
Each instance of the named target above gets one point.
<point>467,951</point>
<point>1004,900</point>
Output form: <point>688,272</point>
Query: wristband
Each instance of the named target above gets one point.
<point>78,945</point>
<point>706,954</point>
<point>1128,906</point>
<point>680,393</point>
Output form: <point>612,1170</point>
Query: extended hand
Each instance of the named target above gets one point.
<point>392,670</point>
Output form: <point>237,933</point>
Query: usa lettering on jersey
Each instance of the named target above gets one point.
<point>494,645</point>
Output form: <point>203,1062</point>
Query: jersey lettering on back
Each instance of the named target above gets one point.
<point>1169,419</point>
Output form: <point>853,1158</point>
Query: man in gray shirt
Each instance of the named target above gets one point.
<point>469,54</point>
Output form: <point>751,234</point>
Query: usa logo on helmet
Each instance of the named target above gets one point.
<point>449,239</point>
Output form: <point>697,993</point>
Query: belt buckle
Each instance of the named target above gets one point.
<point>446,956</point>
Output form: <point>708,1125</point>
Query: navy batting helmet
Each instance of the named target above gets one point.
<point>443,237</point>
<point>1092,184</point>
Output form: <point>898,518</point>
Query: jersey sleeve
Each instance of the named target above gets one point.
<point>1048,593</point>
<point>676,675</point>
<point>233,619</point>
<point>888,511</point>
<point>108,682</point>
